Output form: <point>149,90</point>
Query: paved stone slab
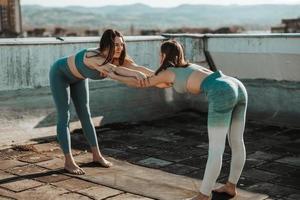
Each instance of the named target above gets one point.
<point>5,175</point>
<point>47,147</point>
<point>278,168</point>
<point>7,194</point>
<point>128,197</point>
<point>21,184</point>
<point>74,184</point>
<point>180,169</point>
<point>27,170</point>
<point>34,158</point>
<point>6,164</point>
<point>152,183</point>
<point>100,192</point>
<point>46,192</point>
<point>259,174</point>
<point>294,197</point>
<point>73,196</point>
<point>272,189</point>
<point>85,157</point>
<point>52,178</point>
<point>6,198</point>
<point>12,154</point>
<point>154,162</point>
<point>290,160</point>
<point>53,164</point>
<point>259,155</point>
<point>56,153</point>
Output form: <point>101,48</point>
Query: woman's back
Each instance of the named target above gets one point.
<point>189,79</point>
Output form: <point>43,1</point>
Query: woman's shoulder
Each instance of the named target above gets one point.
<point>93,58</point>
<point>195,66</point>
<point>128,62</point>
<point>92,52</point>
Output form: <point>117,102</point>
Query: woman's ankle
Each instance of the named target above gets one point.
<point>231,185</point>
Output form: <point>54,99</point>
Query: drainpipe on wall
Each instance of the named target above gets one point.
<point>207,55</point>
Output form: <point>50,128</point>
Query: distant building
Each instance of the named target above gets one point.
<point>287,26</point>
<point>231,29</point>
<point>150,32</point>
<point>10,18</point>
<point>36,32</point>
<point>91,33</point>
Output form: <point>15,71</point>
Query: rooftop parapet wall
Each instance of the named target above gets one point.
<point>25,62</point>
<point>269,66</point>
<point>269,56</point>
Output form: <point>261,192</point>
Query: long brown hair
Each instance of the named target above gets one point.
<point>107,41</point>
<point>173,51</point>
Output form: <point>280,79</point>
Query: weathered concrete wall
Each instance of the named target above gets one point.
<point>268,65</point>
<point>26,105</point>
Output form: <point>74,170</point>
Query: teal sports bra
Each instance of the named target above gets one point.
<point>85,70</point>
<point>181,76</point>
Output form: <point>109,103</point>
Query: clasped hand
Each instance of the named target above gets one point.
<point>142,79</point>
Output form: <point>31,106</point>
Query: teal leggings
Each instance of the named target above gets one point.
<point>227,104</point>
<point>63,86</point>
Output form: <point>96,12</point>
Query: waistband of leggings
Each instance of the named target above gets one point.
<point>208,80</point>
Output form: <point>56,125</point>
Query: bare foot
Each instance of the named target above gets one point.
<point>228,188</point>
<point>102,161</point>
<point>73,168</point>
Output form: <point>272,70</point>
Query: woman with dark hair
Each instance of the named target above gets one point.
<point>227,104</point>
<point>68,80</point>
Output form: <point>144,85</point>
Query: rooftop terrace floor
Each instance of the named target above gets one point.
<point>158,159</point>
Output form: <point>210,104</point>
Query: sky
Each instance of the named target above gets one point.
<point>153,3</point>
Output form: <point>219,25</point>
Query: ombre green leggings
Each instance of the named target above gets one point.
<point>64,87</point>
<point>227,104</point>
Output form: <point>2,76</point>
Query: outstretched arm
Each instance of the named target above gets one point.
<point>123,71</point>
<point>130,64</point>
<point>162,80</point>
<point>139,68</point>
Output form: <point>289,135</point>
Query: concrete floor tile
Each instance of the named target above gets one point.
<point>129,197</point>
<point>294,161</point>
<point>21,184</point>
<point>274,191</point>
<point>7,194</point>
<point>27,170</point>
<point>73,196</point>
<point>7,164</point>
<point>74,184</point>
<point>259,155</point>
<point>53,164</point>
<point>256,174</point>
<point>179,169</point>
<point>154,162</point>
<point>4,176</point>
<point>100,192</point>
<point>34,158</point>
<point>52,178</point>
<point>46,147</point>
<point>46,192</point>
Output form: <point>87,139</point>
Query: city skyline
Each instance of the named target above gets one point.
<point>153,3</point>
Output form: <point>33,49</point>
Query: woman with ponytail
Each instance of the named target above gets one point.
<point>68,80</point>
<point>227,104</point>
